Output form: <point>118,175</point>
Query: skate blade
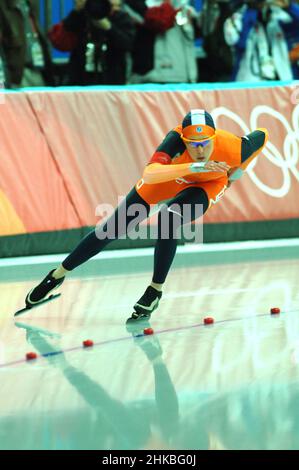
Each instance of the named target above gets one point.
<point>36,329</point>
<point>135,326</point>
<point>26,309</point>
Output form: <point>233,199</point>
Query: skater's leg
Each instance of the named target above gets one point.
<point>166,244</point>
<point>111,230</point>
<point>171,218</point>
<point>157,286</point>
<point>60,272</point>
<point>93,243</point>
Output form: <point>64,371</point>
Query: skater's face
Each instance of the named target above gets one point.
<point>199,151</point>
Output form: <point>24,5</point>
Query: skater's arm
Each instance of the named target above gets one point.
<point>159,173</point>
<point>234,175</point>
<point>251,147</point>
<point>159,169</point>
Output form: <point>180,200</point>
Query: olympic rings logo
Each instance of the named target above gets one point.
<point>286,162</point>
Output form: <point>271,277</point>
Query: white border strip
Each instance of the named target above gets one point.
<point>144,252</point>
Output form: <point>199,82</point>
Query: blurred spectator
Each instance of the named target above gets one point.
<point>164,50</point>
<point>217,66</point>
<point>294,57</point>
<point>292,36</point>
<point>25,54</point>
<point>99,35</point>
<point>258,32</point>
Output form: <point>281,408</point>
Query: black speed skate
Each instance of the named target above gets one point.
<point>41,302</point>
<point>39,293</point>
<point>146,305</point>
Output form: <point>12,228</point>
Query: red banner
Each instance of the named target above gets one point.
<point>65,153</point>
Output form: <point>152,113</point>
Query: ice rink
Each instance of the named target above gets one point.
<point>229,385</point>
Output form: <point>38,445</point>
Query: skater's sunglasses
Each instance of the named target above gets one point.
<point>196,143</point>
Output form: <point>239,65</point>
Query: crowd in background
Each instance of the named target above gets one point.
<point>116,42</point>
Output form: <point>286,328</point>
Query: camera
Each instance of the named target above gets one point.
<point>98,9</point>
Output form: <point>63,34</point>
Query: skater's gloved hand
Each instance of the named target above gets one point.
<point>204,167</point>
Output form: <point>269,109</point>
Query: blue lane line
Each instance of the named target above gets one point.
<point>126,338</point>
